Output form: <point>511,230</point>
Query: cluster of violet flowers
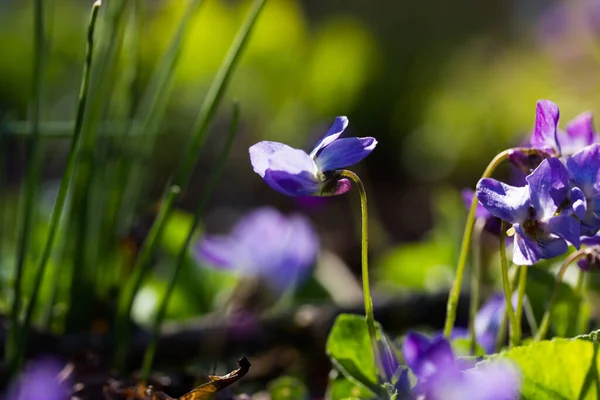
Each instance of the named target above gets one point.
<point>559,205</point>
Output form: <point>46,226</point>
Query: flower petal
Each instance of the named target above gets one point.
<point>546,121</point>
<point>413,348</point>
<point>334,132</point>
<point>41,380</point>
<point>528,251</point>
<point>344,152</point>
<point>549,187</point>
<point>584,167</point>
<point>219,251</point>
<point>260,154</point>
<point>293,173</point>
<point>480,211</point>
<point>566,227</point>
<point>579,201</point>
<point>506,202</point>
<point>389,359</point>
<point>581,129</point>
<point>495,380</point>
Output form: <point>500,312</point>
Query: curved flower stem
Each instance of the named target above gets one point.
<point>514,325</point>
<point>559,277</point>
<point>365,259</point>
<point>521,297</point>
<point>475,282</point>
<point>466,239</point>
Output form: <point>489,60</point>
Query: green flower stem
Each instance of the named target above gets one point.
<point>545,324</point>
<point>66,179</point>
<point>183,252</point>
<point>373,333</point>
<point>521,298</point>
<point>475,282</point>
<point>514,327</point>
<point>135,280</point>
<point>27,209</point>
<point>464,248</point>
<point>501,337</point>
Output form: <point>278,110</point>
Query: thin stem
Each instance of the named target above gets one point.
<point>371,327</point>
<point>464,248</point>
<point>514,325</point>
<point>475,282</point>
<point>501,337</point>
<point>521,298</point>
<point>139,270</point>
<point>181,256</point>
<point>66,179</point>
<point>545,324</point>
<point>27,210</point>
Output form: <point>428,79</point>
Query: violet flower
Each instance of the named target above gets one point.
<point>489,319</point>
<point>542,213</point>
<point>492,224</point>
<point>266,244</point>
<point>591,261</point>
<point>293,172</point>
<point>585,170</point>
<point>441,376</point>
<point>40,380</point>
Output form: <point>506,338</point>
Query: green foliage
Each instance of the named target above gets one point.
<point>341,388</point>
<point>288,388</point>
<point>349,348</point>
<point>558,369</point>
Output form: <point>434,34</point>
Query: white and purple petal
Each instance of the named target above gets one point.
<point>344,152</point>
<point>339,125</point>
<point>292,172</point>
<point>579,133</point>
<point>584,167</point>
<point>528,250</point>
<point>261,152</point>
<point>546,121</point>
<point>504,201</point>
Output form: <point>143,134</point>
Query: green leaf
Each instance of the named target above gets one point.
<point>341,388</point>
<point>558,369</point>
<point>462,347</point>
<point>349,348</point>
<point>593,337</point>
<point>288,388</point>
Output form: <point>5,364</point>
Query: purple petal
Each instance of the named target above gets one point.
<point>480,211</point>
<point>335,131</point>
<point>40,380</point>
<point>566,227</point>
<point>425,356</point>
<point>581,129</point>
<point>414,347</point>
<point>528,251</point>
<point>489,318</point>
<point>506,202</point>
<point>584,167</point>
<point>579,201</point>
<point>546,120</point>
<point>389,358</point>
<point>261,152</point>
<point>549,187</point>
<point>344,152</point>
<point>495,380</point>
<point>591,241</point>
<point>292,172</point>
<point>216,250</point>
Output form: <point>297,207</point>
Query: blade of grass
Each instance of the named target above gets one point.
<point>133,283</point>
<point>151,111</point>
<point>203,121</point>
<point>181,256</point>
<point>31,184</point>
<point>71,166</point>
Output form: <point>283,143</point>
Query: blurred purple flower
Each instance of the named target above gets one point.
<point>389,365</point>
<point>265,244</point>
<point>441,376</point>
<point>489,318</point>
<point>40,380</point>
<point>294,173</point>
<point>541,213</point>
<point>585,171</point>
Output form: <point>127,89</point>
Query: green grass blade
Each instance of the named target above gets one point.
<point>66,179</point>
<point>214,179</point>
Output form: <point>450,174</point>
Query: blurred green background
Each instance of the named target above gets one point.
<point>443,86</point>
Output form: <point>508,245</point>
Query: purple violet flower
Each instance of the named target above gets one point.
<point>294,173</point>
<point>441,376</point>
<point>41,380</point>
<point>585,170</point>
<point>591,261</point>
<point>489,319</point>
<point>541,213</point>
<point>492,224</point>
<point>266,244</point>
<point>547,140</point>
